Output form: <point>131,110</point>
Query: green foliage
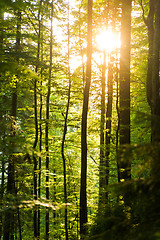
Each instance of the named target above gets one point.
<point>139,219</point>
<point>132,210</point>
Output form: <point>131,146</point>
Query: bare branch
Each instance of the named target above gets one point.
<point>144,19</point>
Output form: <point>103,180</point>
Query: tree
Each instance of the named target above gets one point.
<point>155,75</point>
<point>65,132</point>
<point>41,125</point>
<point>155,91</point>
<point>102,167</point>
<point>149,23</point>
<point>47,121</point>
<point>36,220</point>
<point>124,165</point>
<point>83,192</point>
<point>40,47</point>
<point>108,122</point>
<point>9,216</point>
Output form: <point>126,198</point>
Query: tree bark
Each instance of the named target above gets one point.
<point>155,171</point>
<point>36,212</point>
<point>47,122</point>
<point>108,124</point>
<point>83,191</point>
<point>9,216</point>
<point>155,75</point>
<point>34,157</point>
<point>149,23</point>
<point>124,163</point>
<point>64,134</point>
<point>102,142</point>
<point>40,117</point>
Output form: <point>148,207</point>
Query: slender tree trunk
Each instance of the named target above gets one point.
<point>40,117</point>
<point>118,123</point>
<point>102,143</point>
<point>83,190</point>
<point>64,159</point>
<point>65,132</point>
<point>9,216</point>
<point>36,217</point>
<point>39,174</point>
<point>108,124</point>
<point>19,223</point>
<point>150,27</point>
<point>124,162</point>
<point>39,163</point>
<point>47,123</point>
<point>35,158</point>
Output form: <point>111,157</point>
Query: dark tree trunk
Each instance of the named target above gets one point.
<point>40,117</point>
<point>108,124</point>
<point>36,212</point>
<point>47,122</point>
<point>83,192</point>
<point>9,216</point>
<point>39,174</point>
<point>64,135</point>
<point>155,76</point>
<point>34,157</point>
<point>64,159</point>
<point>124,163</point>
<point>150,27</point>
<point>102,143</point>
<point>155,93</point>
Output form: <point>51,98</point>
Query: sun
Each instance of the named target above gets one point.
<point>107,40</point>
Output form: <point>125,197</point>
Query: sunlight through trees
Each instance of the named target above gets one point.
<point>79,119</point>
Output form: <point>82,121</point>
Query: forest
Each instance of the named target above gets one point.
<point>79,119</point>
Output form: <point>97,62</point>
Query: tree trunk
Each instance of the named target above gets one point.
<point>35,158</point>
<point>40,116</point>
<point>155,91</point>
<point>39,174</point>
<point>47,122</point>
<point>102,143</point>
<point>9,216</point>
<point>36,212</point>
<point>155,75</point>
<point>124,163</point>
<point>83,192</point>
<point>149,23</point>
<point>65,132</point>
<point>108,124</point>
